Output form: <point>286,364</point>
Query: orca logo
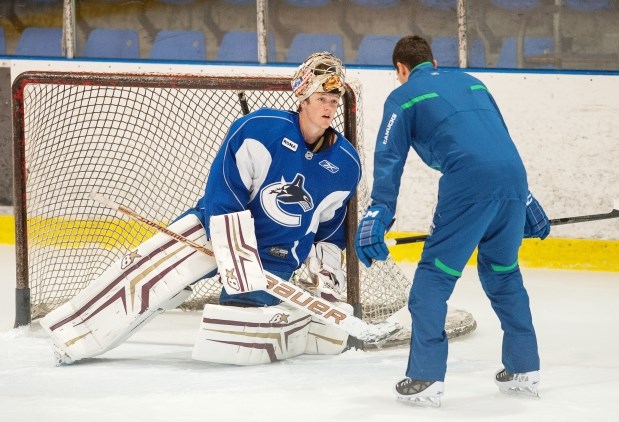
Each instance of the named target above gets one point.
<point>280,200</point>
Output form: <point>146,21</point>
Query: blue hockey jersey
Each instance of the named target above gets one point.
<point>296,197</point>
<point>455,126</point>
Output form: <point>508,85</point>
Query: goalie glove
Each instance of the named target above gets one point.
<point>327,272</point>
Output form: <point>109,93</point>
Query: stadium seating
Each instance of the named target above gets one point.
<point>376,4</point>
<point>440,4</point>
<point>516,4</point>
<point>588,5</point>
<point>532,47</point>
<point>304,44</point>
<point>178,45</point>
<point>112,44</point>
<point>445,51</point>
<point>241,46</point>
<point>376,50</point>
<point>2,42</point>
<point>44,42</point>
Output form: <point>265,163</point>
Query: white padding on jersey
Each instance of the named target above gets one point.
<point>251,336</point>
<point>236,252</point>
<point>143,283</point>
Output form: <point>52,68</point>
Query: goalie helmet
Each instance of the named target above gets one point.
<point>320,72</point>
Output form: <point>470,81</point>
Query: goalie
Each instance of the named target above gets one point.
<point>292,174</point>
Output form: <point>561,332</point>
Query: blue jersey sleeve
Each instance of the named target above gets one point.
<point>390,155</point>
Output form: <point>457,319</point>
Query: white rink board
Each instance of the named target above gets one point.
<point>565,126</point>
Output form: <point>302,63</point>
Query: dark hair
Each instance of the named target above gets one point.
<point>411,51</point>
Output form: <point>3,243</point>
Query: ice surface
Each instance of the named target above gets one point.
<point>152,377</point>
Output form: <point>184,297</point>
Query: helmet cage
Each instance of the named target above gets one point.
<point>320,72</point>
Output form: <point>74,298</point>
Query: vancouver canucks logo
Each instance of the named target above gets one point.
<point>281,200</point>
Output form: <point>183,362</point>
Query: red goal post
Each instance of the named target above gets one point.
<point>145,141</point>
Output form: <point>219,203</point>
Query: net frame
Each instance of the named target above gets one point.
<point>375,293</point>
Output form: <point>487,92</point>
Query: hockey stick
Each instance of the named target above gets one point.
<point>282,289</point>
<point>555,222</point>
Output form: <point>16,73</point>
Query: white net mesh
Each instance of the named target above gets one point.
<point>147,143</point>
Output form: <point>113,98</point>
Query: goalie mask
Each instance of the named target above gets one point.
<point>320,72</point>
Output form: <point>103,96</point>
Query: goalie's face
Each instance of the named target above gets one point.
<point>318,110</point>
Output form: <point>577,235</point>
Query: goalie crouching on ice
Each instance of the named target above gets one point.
<point>285,176</point>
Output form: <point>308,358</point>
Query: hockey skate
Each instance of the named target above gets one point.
<point>522,384</point>
<point>420,393</point>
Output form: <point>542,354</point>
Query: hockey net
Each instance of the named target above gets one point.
<point>145,141</point>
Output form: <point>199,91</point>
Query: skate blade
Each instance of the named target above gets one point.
<point>530,393</point>
<point>420,401</point>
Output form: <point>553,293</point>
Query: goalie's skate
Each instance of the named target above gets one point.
<point>420,393</point>
<point>522,384</point>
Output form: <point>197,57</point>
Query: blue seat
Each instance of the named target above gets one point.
<point>376,50</point>
<point>440,4</point>
<point>43,42</point>
<point>112,44</point>
<point>304,44</point>
<point>588,5</point>
<point>532,47</point>
<point>178,45</point>
<point>2,42</point>
<point>308,3</point>
<point>445,51</point>
<point>240,46</point>
<point>517,4</point>
<point>376,4</point>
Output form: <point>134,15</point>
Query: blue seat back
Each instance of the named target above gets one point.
<point>112,44</point>
<point>376,50</point>
<point>308,3</point>
<point>303,45</point>
<point>241,46</point>
<point>2,41</point>
<point>516,4</point>
<point>588,5</point>
<point>179,45</point>
<point>376,4</point>
<point>445,50</point>
<point>43,42</point>
<point>532,47</point>
<point>440,4</point>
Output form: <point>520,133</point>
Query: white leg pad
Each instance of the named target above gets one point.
<point>251,336</point>
<point>326,339</point>
<point>132,291</point>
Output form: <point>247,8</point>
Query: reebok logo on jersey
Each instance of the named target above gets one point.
<point>293,146</point>
<point>388,128</point>
<point>329,166</point>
